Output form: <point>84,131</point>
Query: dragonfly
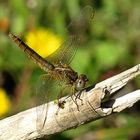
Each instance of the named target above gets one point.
<point>57,68</point>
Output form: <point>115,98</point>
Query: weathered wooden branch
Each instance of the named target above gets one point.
<point>98,102</point>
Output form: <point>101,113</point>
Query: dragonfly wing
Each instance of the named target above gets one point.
<point>44,93</point>
<point>48,89</point>
<point>66,51</point>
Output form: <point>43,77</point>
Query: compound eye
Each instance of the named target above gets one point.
<point>80,85</point>
<point>81,82</point>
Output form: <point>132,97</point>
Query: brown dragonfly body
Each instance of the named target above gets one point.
<point>58,71</point>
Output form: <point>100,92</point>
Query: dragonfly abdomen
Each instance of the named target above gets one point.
<point>41,62</point>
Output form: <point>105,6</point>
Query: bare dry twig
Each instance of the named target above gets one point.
<point>97,103</point>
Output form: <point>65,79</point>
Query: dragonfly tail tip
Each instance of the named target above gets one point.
<point>10,35</point>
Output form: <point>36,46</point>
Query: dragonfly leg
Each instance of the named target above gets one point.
<point>77,96</point>
<point>71,96</point>
<point>74,100</point>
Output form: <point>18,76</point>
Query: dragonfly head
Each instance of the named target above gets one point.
<point>81,82</point>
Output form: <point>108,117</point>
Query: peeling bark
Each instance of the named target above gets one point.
<point>98,102</point>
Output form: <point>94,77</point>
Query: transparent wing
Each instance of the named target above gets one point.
<point>76,29</point>
<point>65,53</point>
<point>47,90</point>
<point>44,88</point>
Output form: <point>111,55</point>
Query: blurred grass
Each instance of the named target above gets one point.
<point>111,45</point>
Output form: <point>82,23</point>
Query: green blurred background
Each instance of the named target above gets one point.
<point>111,45</point>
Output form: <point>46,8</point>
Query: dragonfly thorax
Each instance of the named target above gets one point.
<point>66,73</point>
<point>81,82</point>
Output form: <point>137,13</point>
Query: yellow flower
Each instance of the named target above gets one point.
<point>43,41</point>
<point>5,103</point>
